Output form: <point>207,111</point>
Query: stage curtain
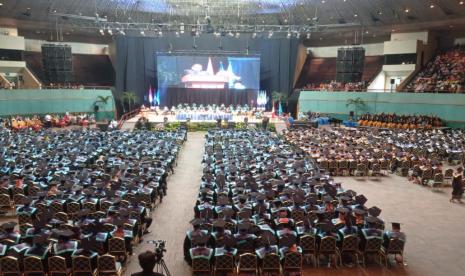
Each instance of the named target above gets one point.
<point>300,61</point>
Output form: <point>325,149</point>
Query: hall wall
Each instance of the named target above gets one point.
<point>58,101</point>
<point>449,107</point>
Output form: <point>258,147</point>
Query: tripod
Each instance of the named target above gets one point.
<point>161,267</point>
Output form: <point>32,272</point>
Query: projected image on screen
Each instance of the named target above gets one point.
<point>208,72</point>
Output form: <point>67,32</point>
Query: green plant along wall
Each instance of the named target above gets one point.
<point>30,102</point>
<point>449,107</point>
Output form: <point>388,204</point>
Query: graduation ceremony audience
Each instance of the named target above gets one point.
<point>418,154</point>
<point>264,203</point>
<point>444,73</point>
<point>82,198</point>
<point>384,120</point>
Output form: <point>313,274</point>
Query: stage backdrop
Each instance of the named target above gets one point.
<point>136,60</point>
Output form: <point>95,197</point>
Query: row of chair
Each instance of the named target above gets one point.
<point>106,265</point>
<point>293,261</point>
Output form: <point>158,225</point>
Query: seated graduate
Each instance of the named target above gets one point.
<point>288,244</point>
<point>87,248</point>
<point>11,234</point>
<point>65,246</point>
<point>188,244</point>
<point>147,261</point>
<point>120,232</point>
<point>200,248</point>
<point>245,240</point>
<point>228,246</point>
<point>40,249</point>
<point>395,233</point>
<point>268,241</point>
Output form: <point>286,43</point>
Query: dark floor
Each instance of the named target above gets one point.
<point>434,227</point>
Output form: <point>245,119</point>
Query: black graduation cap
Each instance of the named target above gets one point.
<point>361,199</point>
<point>268,237</point>
<point>342,210</point>
<point>261,197</point>
<point>196,222</point>
<point>320,212</point>
<point>27,201</point>
<point>88,192</point>
<point>88,244</point>
<point>344,198</point>
<point>326,227</point>
<point>200,239</point>
<point>65,233</point>
<point>359,211</point>
<point>287,240</point>
<point>83,212</point>
<point>229,241</point>
<point>228,212</point>
<point>374,211</point>
<point>8,226</point>
<point>219,223</point>
<point>327,198</point>
<point>244,226</point>
<point>40,239</point>
<point>312,199</point>
<point>351,193</point>
<point>371,219</point>
<point>395,225</point>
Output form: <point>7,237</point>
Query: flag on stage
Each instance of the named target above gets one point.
<point>280,109</point>
<point>210,67</point>
<point>157,97</point>
<point>150,95</point>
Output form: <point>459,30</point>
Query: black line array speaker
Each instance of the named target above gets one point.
<point>58,63</point>
<point>349,64</point>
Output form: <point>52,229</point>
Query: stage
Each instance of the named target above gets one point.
<point>153,117</point>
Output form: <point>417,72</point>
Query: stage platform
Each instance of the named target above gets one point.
<point>154,118</point>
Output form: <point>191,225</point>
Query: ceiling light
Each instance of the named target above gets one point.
<point>177,34</point>
<point>407,10</point>
<point>142,33</point>
<point>110,32</point>
<point>308,35</point>
<point>380,13</point>
<point>288,35</point>
<point>461,2</point>
<point>160,33</point>
<point>238,34</point>
<point>254,35</point>
<point>102,32</point>
<point>270,34</point>
<point>355,15</point>
<point>1,4</point>
<point>431,6</point>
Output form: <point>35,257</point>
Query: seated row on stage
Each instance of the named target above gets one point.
<point>415,153</point>
<point>194,108</point>
<point>260,196</point>
<point>81,194</point>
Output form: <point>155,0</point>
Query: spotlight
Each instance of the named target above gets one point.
<point>308,35</point>
<point>254,35</point>
<point>110,32</point>
<point>122,32</point>
<point>102,32</point>
<point>177,34</point>
<point>160,33</point>
<point>431,6</point>
<point>238,34</point>
<point>288,35</point>
<point>142,33</point>
<point>270,34</point>
<point>181,28</point>
<point>230,34</point>
<point>297,35</point>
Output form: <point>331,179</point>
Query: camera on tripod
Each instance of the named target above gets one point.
<point>159,249</point>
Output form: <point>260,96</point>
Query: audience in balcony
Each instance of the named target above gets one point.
<point>337,86</point>
<point>445,73</point>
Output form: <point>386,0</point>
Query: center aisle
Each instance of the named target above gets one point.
<point>171,218</point>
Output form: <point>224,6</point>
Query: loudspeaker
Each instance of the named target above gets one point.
<point>57,62</point>
<point>351,114</point>
<point>393,81</point>
<point>350,64</point>
<point>96,108</point>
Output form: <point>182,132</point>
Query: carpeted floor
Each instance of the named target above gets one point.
<point>434,227</point>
